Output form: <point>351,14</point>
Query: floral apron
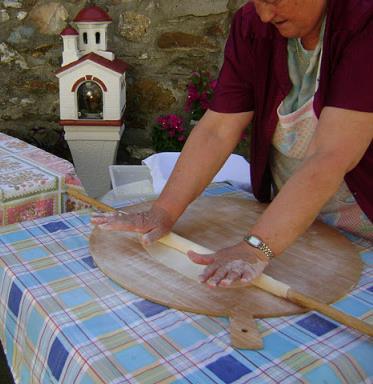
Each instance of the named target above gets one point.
<point>292,137</point>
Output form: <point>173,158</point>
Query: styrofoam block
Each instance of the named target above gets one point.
<point>131,179</point>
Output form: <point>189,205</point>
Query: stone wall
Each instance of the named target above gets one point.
<point>163,41</point>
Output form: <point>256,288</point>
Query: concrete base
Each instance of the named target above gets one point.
<point>93,149</point>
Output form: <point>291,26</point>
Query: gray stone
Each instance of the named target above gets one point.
<point>139,153</point>
<point>133,26</point>
<point>15,37</point>
<point>21,35</point>
<point>21,15</point>
<point>235,4</point>
<point>177,8</point>
<point>9,56</point>
<point>26,31</point>
<point>4,15</point>
<point>36,61</point>
<point>144,56</point>
<point>180,40</point>
<point>49,18</point>
<point>26,102</point>
<point>11,112</point>
<point>12,4</point>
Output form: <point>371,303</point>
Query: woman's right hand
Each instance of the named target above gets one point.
<point>153,224</point>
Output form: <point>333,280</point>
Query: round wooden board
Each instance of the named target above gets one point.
<point>322,263</point>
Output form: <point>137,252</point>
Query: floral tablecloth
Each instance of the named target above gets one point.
<point>63,321</point>
<point>33,182</point>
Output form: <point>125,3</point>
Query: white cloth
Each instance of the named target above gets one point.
<point>235,171</point>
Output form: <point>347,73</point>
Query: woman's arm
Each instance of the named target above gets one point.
<point>340,141</point>
<point>207,148</point>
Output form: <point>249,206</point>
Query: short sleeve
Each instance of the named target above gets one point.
<point>351,83</point>
<point>234,91</point>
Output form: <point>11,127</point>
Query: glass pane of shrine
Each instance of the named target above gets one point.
<point>90,101</point>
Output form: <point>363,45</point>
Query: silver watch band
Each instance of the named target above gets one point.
<point>266,250</point>
<point>256,242</point>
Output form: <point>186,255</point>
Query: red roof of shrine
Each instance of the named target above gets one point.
<point>92,14</point>
<point>69,31</point>
<point>116,65</point>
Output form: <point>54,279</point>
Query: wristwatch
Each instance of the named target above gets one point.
<point>255,242</point>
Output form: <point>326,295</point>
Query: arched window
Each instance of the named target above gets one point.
<point>85,38</point>
<point>90,101</point>
<point>98,37</point>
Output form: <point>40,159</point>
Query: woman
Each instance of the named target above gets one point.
<point>301,69</point>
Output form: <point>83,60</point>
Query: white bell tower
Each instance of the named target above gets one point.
<point>93,23</point>
<point>70,45</point>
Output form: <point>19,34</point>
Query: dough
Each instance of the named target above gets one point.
<point>171,252</point>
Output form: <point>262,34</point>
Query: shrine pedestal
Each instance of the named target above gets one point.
<point>93,149</point>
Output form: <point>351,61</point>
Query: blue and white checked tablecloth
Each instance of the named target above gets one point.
<point>62,320</point>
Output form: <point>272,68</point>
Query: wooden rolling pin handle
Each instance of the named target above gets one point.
<point>335,314</point>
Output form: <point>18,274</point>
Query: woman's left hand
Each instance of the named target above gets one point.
<point>239,263</point>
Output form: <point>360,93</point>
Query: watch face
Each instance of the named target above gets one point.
<point>254,241</point>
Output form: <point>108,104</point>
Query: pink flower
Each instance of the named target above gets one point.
<point>213,84</point>
<point>193,93</point>
<point>200,91</point>
<point>174,120</point>
<point>181,138</point>
<point>173,127</point>
<point>162,121</point>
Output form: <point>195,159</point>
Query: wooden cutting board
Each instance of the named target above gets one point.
<point>322,264</point>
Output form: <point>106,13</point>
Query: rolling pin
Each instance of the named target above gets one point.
<point>264,282</point>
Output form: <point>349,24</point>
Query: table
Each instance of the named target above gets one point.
<point>33,182</point>
<point>62,320</point>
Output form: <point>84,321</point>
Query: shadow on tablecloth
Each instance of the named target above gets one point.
<point>5,375</point>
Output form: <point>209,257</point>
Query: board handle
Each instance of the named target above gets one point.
<point>244,331</point>
<point>263,282</point>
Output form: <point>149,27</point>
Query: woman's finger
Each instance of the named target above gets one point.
<point>219,275</point>
<point>200,258</point>
<point>248,276</point>
<point>153,235</point>
<point>119,222</point>
<point>208,272</point>
<point>100,217</point>
<point>231,277</point>
<point>98,220</point>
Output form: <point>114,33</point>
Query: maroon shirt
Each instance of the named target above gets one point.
<point>254,77</point>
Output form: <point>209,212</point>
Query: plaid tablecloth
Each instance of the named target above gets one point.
<point>33,182</point>
<point>62,320</point>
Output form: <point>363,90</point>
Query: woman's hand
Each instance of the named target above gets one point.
<point>154,223</point>
<point>239,263</point>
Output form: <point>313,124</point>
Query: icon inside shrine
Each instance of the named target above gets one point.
<point>90,101</point>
